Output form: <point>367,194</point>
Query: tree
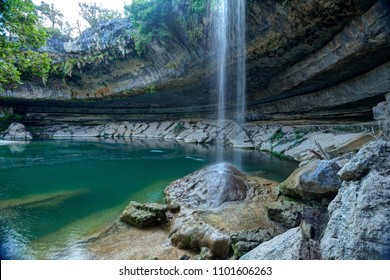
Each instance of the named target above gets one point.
<point>67,29</point>
<point>58,27</point>
<point>94,14</point>
<point>151,19</point>
<point>20,34</point>
<point>50,13</point>
<point>78,27</point>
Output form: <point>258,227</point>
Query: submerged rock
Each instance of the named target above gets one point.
<point>359,216</point>
<point>316,180</point>
<point>40,200</point>
<point>119,241</point>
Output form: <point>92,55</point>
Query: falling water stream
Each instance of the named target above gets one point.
<point>230,48</point>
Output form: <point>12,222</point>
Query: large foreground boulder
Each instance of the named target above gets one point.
<point>210,186</point>
<point>359,223</point>
<point>221,209</point>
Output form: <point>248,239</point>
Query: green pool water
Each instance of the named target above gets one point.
<point>52,193</point>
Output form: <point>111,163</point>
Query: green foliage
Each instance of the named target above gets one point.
<point>151,89</point>
<point>282,156</point>
<point>57,28</point>
<point>179,128</point>
<point>52,32</point>
<point>197,6</point>
<point>301,132</point>
<point>95,14</point>
<point>159,19</point>
<point>279,134</point>
<point>19,33</point>
<point>7,119</point>
<point>50,13</point>
<point>150,18</point>
<point>65,69</point>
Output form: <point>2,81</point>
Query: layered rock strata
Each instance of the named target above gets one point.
<point>322,59</point>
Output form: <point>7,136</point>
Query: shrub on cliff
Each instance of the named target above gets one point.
<point>159,19</point>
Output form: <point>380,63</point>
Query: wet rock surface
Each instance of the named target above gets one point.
<point>211,186</point>
<point>221,209</point>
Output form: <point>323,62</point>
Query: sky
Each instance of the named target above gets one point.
<point>69,8</point>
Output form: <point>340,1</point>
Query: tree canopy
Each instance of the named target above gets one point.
<point>51,13</point>
<point>20,34</point>
<point>94,14</point>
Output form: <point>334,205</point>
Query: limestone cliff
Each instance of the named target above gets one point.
<point>314,59</point>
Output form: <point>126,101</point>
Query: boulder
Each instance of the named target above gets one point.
<point>189,232</point>
<point>382,115</point>
<point>85,131</point>
<point>359,216</point>
<point>335,143</point>
<point>292,214</point>
<point>17,131</point>
<point>291,245</point>
<point>151,131</point>
<point>217,203</point>
<point>210,186</point>
<point>198,136</point>
<point>237,136</point>
<point>287,214</point>
<point>315,180</point>
<point>143,215</point>
<point>163,129</point>
<point>121,131</point>
<point>374,156</point>
<point>246,240</point>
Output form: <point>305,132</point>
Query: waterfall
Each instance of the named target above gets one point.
<point>230,49</point>
<point>240,50</point>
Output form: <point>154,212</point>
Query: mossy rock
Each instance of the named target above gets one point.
<point>144,215</point>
